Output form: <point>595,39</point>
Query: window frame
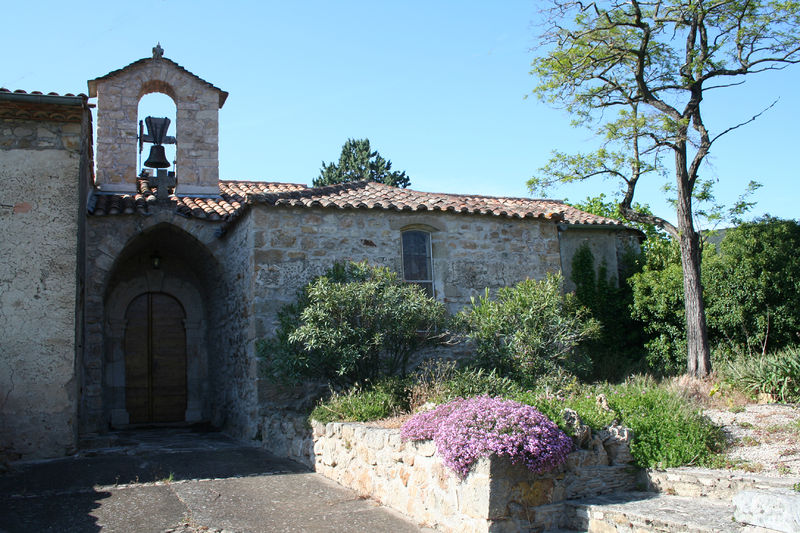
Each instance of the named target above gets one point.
<point>424,283</point>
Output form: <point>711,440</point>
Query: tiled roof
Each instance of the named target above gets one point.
<point>223,95</point>
<point>228,206</point>
<point>39,93</point>
<point>36,105</point>
<point>236,196</point>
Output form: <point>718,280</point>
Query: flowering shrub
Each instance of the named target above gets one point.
<point>466,429</point>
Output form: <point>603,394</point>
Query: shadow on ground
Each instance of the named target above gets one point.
<point>63,495</point>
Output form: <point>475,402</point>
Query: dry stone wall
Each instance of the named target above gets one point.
<point>410,476</point>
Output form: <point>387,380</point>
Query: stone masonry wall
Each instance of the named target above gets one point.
<point>233,370</point>
<point>219,270</point>
<point>410,476</point>
<point>197,125</point>
<point>40,198</point>
<point>602,243</point>
<point>470,253</point>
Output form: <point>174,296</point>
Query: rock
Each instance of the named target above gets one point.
<point>616,441</point>
<point>602,402</point>
<point>581,433</point>
<point>774,509</point>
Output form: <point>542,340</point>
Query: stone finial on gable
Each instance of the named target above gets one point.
<point>158,52</point>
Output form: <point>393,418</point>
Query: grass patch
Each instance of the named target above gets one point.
<point>776,374</point>
<point>362,404</point>
<point>748,441</point>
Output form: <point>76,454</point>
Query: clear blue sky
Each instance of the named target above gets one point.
<point>438,88</point>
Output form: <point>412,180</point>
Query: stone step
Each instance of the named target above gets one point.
<point>707,483</point>
<point>775,509</point>
<point>636,512</point>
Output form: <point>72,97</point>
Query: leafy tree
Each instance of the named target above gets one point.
<point>529,329</point>
<point>638,71</point>
<point>754,286</point>
<point>356,322</point>
<point>656,244</point>
<point>358,162</point>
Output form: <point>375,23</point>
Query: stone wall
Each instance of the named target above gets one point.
<point>208,275</point>
<point>44,174</point>
<point>470,253</point>
<point>410,476</point>
<point>197,124</point>
<point>234,370</point>
<point>606,247</point>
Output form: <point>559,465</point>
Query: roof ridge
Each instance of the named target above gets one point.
<point>368,183</point>
<point>266,182</point>
<point>40,93</point>
<point>223,95</point>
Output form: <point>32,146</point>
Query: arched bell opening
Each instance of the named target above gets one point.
<point>157,151</point>
<point>157,303</point>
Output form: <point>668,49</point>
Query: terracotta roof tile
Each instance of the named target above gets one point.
<point>40,93</point>
<point>35,105</point>
<point>236,196</point>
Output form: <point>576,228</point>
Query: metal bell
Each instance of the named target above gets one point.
<point>157,158</point>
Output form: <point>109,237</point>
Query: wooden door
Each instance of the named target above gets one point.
<point>155,359</point>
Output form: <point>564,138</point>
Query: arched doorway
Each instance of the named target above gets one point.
<point>155,359</point>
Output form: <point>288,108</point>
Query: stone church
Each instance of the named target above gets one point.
<point>135,297</point>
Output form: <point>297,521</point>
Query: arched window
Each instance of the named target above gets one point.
<point>418,259</point>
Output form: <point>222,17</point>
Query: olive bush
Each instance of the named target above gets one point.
<point>356,322</point>
<point>531,328</point>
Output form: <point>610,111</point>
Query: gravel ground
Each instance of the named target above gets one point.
<point>763,438</point>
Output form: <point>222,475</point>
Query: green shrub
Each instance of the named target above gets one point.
<point>658,304</point>
<point>470,382</point>
<point>668,431</point>
<point>751,290</point>
<point>583,402</point>
<point>619,346</point>
<point>777,373</point>
<point>529,329</point>
<point>753,286</point>
<point>355,323</point>
<point>438,381</point>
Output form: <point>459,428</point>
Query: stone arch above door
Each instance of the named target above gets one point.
<point>119,299</point>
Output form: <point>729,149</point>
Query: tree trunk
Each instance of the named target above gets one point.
<point>699,353</point>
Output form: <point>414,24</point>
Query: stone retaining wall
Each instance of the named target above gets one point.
<point>410,476</point>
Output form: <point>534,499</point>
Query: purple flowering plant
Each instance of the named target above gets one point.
<point>465,430</point>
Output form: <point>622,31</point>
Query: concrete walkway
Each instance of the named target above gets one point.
<point>182,481</point>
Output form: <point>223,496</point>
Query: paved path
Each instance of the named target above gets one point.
<point>182,481</point>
